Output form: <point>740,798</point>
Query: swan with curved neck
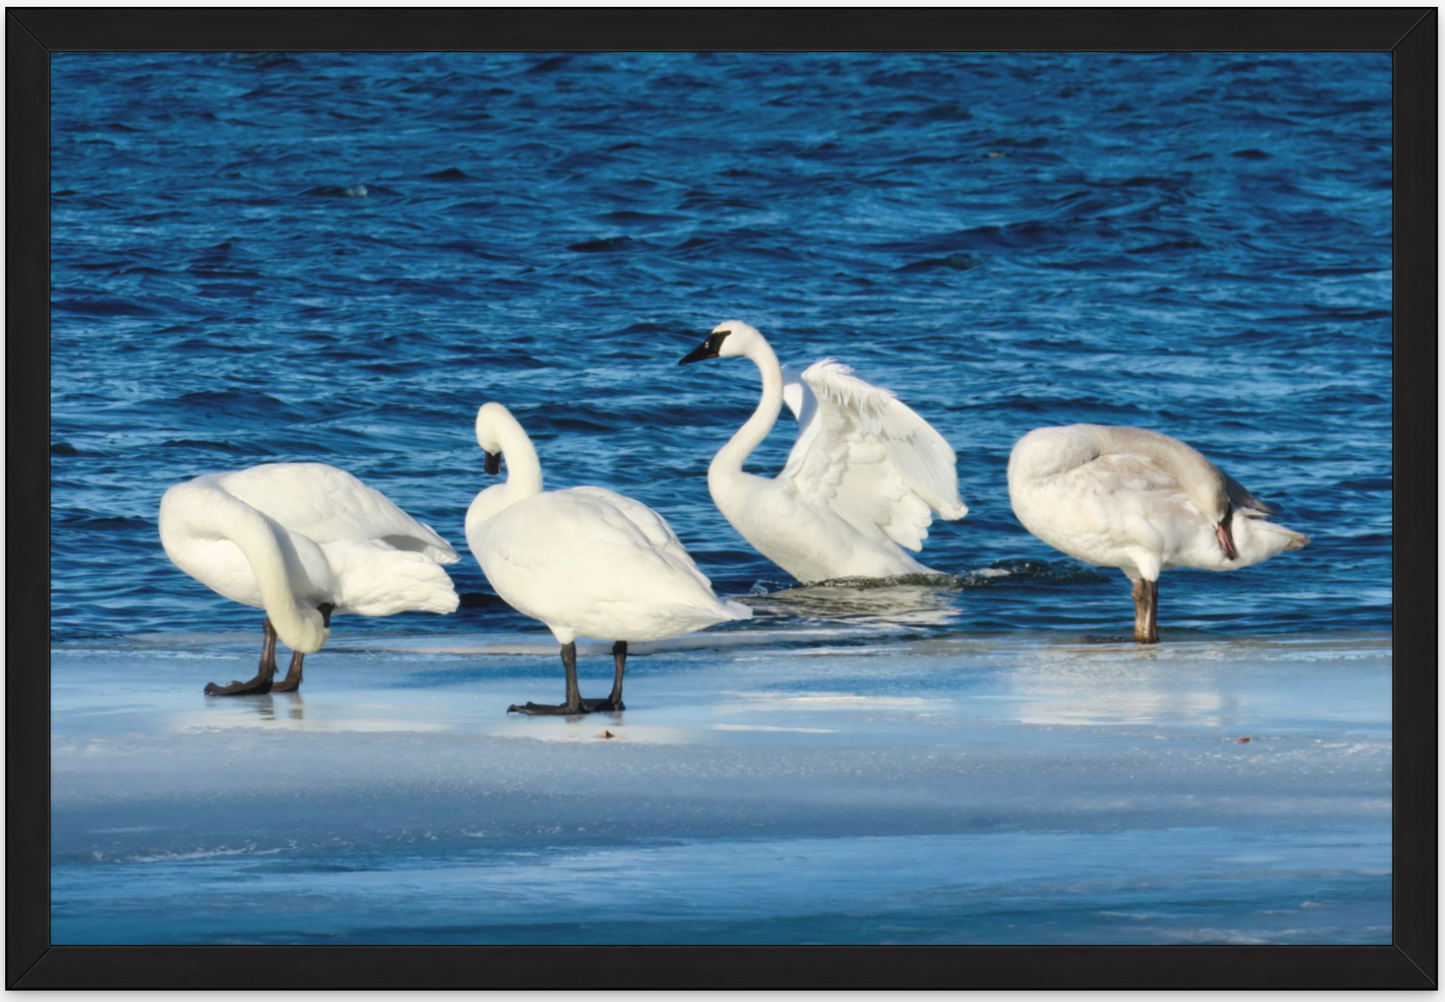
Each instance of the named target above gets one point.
<point>862,484</point>
<point>1142,502</point>
<point>584,561</point>
<point>302,541</point>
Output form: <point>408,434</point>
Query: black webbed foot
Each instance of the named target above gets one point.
<point>565,710</point>
<point>576,705</point>
<point>265,673</point>
<point>548,710</point>
<point>258,686</point>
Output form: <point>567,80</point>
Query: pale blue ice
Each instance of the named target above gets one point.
<point>837,787</point>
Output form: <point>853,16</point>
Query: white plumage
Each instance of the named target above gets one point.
<point>585,561</point>
<point>304,541</point>
<point>1139,501</point>
<point>863,481</point>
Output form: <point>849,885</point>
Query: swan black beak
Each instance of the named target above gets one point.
<point>325,609</point>
<point>701,353</point>
<point>494,462</point>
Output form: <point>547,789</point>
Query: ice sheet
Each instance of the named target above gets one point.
<point>757,789</point>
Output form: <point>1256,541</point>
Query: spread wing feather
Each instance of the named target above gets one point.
<point>868,457</point>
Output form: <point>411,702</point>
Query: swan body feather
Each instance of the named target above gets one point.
<point>1137,500</point>
<point>288,537</point>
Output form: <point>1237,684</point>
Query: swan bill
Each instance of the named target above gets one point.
<point>494,463</point>
<point>701,353</point>
<point>710,348</point>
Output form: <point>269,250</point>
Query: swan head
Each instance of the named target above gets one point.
<point>493,421</point>
<point>305,630</point>
<point>727,340</point>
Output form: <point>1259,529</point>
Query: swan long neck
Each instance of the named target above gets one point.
<point>730,458</point>
<point>267,547</point>
<point>524,470</point>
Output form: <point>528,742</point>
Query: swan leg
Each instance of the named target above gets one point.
<point>292,681</point>
<point>613,701</point>
<point>574,704</point>
<point>1146,611</point>
<point>261,684</point>
<point>620,660</point>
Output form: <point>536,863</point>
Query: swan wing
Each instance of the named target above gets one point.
<point>798,396</point>
<point>373,578</point>
<point>328,505</point>
<point>1111,503</point>
<point>562,553</point>
<point>1145,481</point>
<point>867,456</point>
<point>652,526</point>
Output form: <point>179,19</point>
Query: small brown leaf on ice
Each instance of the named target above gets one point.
<point>609,734</point>
<point>1242,741</point>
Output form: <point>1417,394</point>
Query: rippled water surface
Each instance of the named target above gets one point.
<point>263,257</point>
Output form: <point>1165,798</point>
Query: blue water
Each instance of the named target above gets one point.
<point>267,257</point>
<point>261,257</point>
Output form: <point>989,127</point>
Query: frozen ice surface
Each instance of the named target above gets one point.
<point>790,788</point>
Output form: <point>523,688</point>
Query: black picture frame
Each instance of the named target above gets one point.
<point>1410,34</point>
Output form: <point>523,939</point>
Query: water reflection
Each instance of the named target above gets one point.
<point>916,600</point>
<point>287,711</point>
<point>274,706</point>
<point>1125,683</point>
<point>295,705</point>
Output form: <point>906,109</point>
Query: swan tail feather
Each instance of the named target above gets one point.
<point>377,580</point>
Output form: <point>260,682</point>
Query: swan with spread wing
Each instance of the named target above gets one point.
<point>303,541</point>
<point>863,482</point>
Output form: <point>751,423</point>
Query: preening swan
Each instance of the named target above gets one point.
<point>1139,501</point>
<point>304,541</point>
<point>584,561</point>
<point>861,485</point>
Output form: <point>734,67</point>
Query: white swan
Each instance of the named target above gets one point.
<point>861,484</point>
<point>584,561</point>
<point>302,541</point>
<point>1139,501</point>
